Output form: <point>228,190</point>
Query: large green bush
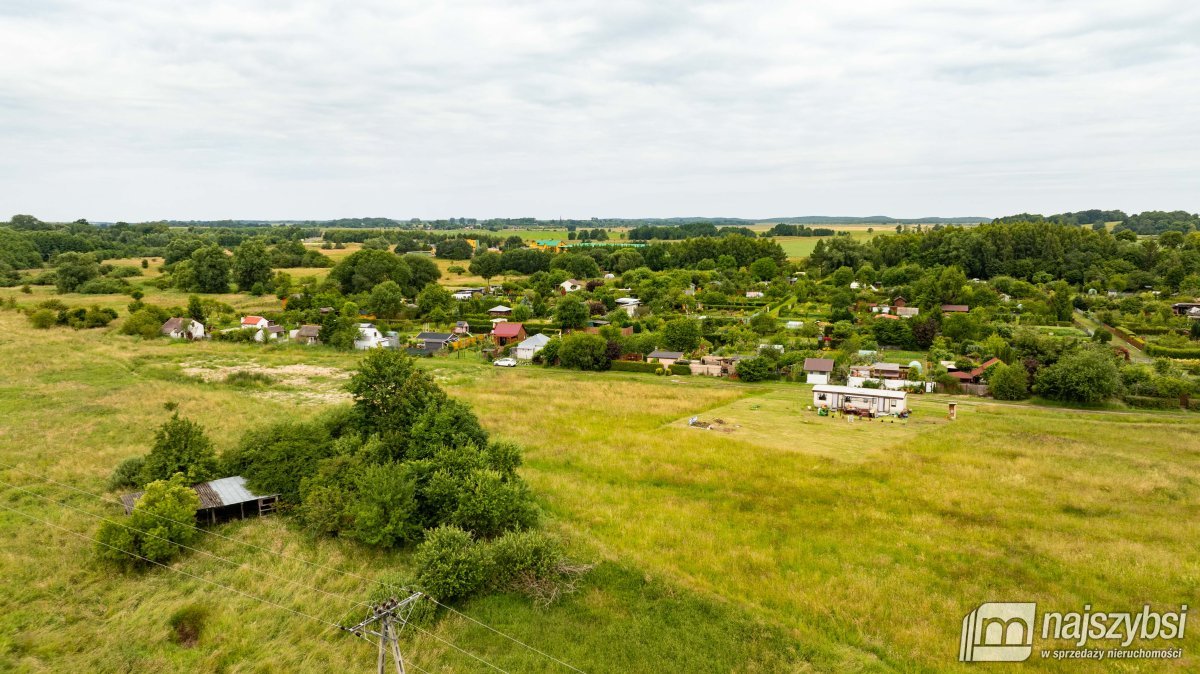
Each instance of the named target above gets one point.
<point>1008,382</point>
<point>161,524</point>
<point>180,446</point>
<point>583,351</point>
<point>449,564</point>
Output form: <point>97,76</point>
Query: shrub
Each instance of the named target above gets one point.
<point>276,458</point>
<point>128,474</point>
<point>104,286</point>
<point>1085,376</point>
<point>755,369</point>
<point>492,505</point>
<point>249,379</point>
<point>180,446</point>
<point>159,526</point>
<point>659,371</point>
<point>1009,382</point>
<point>43,319</point>
<point>142,323</point>
<point>634,366</point>
<point>384,507</point>
<point>449,564</point>
<point>584,351</point>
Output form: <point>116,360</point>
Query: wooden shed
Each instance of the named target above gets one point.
<point>221,500</point>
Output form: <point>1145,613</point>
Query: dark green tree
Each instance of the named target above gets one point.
<point>251,265</point>
<point>210,270</point>
<point>180,446</point>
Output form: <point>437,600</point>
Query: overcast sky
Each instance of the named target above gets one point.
<point>136,110</point>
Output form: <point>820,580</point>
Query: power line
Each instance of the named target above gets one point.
<point>304,561</point>
<point>200,578</point>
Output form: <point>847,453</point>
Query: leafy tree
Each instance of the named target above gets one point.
<point>454,249</point>
<point>1008,382</point>
<point>391,392</point>
<point>571,312</point>
<point>364,269</point>
<point>338,332</point>
<point>584,351</point>
<point>195,309</point>
<point>578,266</point>
<point>432,298</point>
<point>384,508</point>
<point>1088,375</point>
<point>180,446</point>
<point>423,271</point>
<point>72,270</point>
<point>755,369</point>
<point>210,270</point>
<point>764,269</point>
<point>251,265</point>
<point>275,459</point>
<point>522,313</point>
<point>763,323</point>
<point>486,265</point>
<point>157,530</point>
<point>681,334</point>
<point>444,423</point>
<point>1060,301</point>
<point>387,300</point>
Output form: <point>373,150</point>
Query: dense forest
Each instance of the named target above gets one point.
<point>1034,251</point>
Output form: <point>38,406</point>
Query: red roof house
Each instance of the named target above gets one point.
<point>506,332</point>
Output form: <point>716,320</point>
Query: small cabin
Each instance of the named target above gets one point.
<point>221,500</point>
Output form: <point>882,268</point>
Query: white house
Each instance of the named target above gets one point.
<point>629,304</point>
<point>527,349</point>
<point>369,337</point>
<point>256,322</point>
<point>271,333</point>
<point>183,328</point>
<point>463,295</point>
<point>817,370</point>
<point>753,294</point>
<point>877,401</point>
<point>570,285</point>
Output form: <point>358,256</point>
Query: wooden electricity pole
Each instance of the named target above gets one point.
<point>382,623</point>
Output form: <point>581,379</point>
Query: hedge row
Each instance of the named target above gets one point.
<point>1151,403</point>
<point>1155,330</point>
<point>649,368</point>
<point>1172,352</point>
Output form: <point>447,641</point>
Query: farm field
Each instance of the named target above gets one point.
<point>798,247</point>
<point>779,541</point>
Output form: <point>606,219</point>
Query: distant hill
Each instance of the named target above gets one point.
<point>874,220</point>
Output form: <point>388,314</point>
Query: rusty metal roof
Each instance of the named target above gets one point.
<point>214,494</point>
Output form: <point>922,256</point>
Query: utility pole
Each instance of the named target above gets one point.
<point>382,623</point>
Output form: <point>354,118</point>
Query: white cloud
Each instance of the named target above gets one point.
<point>261,108</point>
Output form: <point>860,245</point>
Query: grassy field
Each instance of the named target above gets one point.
<point>779,541</point>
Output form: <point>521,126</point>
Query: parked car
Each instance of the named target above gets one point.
<point>505,362</point>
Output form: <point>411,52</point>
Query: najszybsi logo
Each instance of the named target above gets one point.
<point>998,632</point>
<point>1003,632</point>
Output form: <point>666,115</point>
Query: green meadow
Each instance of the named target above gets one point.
<point>774,541</point>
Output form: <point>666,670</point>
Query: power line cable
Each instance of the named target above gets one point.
<point>304,561</point>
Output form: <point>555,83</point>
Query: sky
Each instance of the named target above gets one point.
<point>263,109</point>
